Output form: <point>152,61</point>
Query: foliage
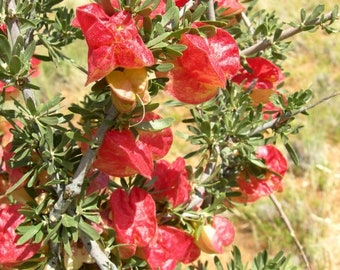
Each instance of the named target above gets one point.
<point>101,184</point>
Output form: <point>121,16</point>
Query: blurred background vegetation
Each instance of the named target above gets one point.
<point>311,196</point>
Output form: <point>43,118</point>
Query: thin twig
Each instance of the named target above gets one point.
<point>266,43</point>
<point>247,22</point>
<point>97,253</point>
<point>211,11</point>
<point>188,5</point>
<point>73,189</point>
<point>53,262</point>
<point>285,117</point>
<point>14,29</point>
<point>289,226</point>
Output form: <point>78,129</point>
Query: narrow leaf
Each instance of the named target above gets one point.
<point>29,51</point>
<point>5,48</point>
<point>157,40</point>
<point>30,233</point>
<point>69,221</point>
<point>172,15</point>
<point>292,153</point>
<point>15,65</point>
<point>20,182</point>
<point>155,125</point>
<point>165,67</point>
<point>66,241</point>
<point>88,230</point>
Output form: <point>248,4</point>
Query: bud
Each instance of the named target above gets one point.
<point>126,85</point>
<point>212,238</point>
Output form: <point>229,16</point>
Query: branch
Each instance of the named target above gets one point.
<point>13,26</point>
<point>73,189</point>
<point>290,229</point>
<point>247,23</point>
<point>266,43</point>
<point>211,11</point>
<point>285,117</point>
<point>54,256</point>
<point>188,5</point>
<point>97,253</point>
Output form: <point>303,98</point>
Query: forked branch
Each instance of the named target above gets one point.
<point>266,43</point>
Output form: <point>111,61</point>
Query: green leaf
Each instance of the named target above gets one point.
<point>292,153</point>
<point>52,232</point>
<point>29,51</point>
<point>90,203</point>
<point>68,221</point>
<point>32,179</point>
<point>93,217</point>
<point>157,40</point>
<point>77,136</point>
<point>155,125</point>
<point>177,47</point>
<point>165,67</point>
<point>19,182</point>
<point>88,230</point>
<point>66,241</point>
<point>258,163</point>
<point>15,65</point>
<point>208,30</point>
<point>51,103</point>
<point>18,46</point>
<point>173,52</point>
<point>199,11</point>
<point>171,16</point>
<point>31,106</point>
<point>277,34</point>
<point>49,120</point>
<point>29,233</point>
<point>38,237</point>
<point>218,263</point>
<point>302,15</point>
<point>316,13</point>
<point>32,86</point>
<point>5,48</point>
<point>335,13</point>
<point>148,4</point>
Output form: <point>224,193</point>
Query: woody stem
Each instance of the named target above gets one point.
<point>266,43</point>
<point>290,229</point>
<point>14,29</point>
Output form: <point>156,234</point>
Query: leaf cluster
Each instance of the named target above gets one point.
<point>39,144</point>
<point>261,261</point>
<point>228,129</point>
<point>225,130</point>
